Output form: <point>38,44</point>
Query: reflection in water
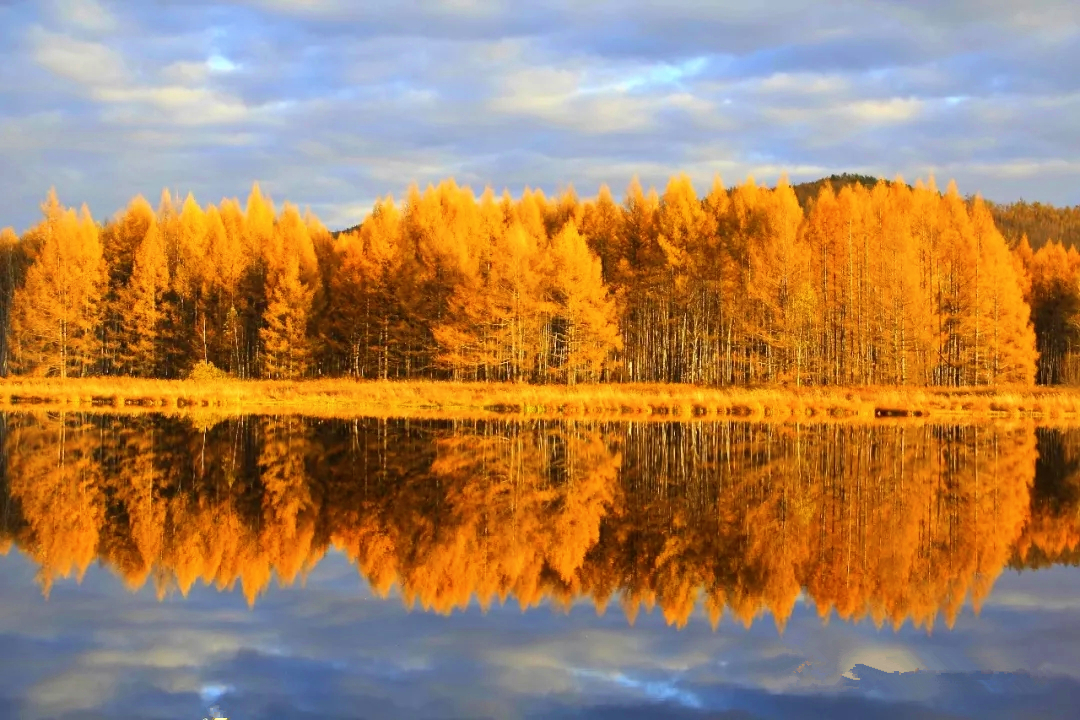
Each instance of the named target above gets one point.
<point>894,522</point>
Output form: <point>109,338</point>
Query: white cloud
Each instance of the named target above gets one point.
<point>887,658</point>
<point>186,72</point>
<point>893,110</point>
<point>89,64</point>
<point>555,96</point>
<point>180,96</point>
<point>71,691</point>
<point>545,94</point>
<point>88,15</point>
<point>789,83</point>
<point>173,104</point>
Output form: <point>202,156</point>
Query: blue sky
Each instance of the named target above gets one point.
<point>330,649</point>
<point>331,103</point>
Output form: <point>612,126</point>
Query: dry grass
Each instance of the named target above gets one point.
<point>628,402</point>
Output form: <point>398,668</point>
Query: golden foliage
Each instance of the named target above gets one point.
<point>872,285</point>
<point>55,313</point>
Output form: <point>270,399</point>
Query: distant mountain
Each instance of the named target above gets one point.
<point>807,191</point>
<point>335,233</point>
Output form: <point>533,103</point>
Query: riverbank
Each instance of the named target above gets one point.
<point>344,397</point>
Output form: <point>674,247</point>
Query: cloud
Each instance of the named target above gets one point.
<point>172,104</point>
<point>334,103</point>
<point>329,648</point>
<point>88,64</point>
<point>88,15</point>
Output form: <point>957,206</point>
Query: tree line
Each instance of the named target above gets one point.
<point>1039,222</point>
<point>896,523</point>
<point>882,284</point>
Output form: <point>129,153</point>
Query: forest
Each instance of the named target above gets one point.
<point>896,524</point>
<point>839,284</point>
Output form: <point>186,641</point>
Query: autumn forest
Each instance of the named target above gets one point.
<point>855,283</point>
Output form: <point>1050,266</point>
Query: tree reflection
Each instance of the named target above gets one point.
<point>894,523</point>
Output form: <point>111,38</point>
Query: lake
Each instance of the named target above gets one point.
<point>157,566</point>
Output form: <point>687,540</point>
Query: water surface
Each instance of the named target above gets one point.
<point>286,567</point>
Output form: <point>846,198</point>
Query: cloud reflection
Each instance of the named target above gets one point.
<point>334,650</point>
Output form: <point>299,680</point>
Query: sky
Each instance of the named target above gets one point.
<point>330,650</point>
<point>333,103</point>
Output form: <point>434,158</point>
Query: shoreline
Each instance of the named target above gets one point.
<point>447,399</point>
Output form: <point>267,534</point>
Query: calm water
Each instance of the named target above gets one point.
<point>282,567</point>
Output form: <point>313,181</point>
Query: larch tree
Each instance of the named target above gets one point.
<point>518,299</point>
<point>258,241</point>
<point>13,263</point>
<point>363,331</point>
<point>746,227</point>
<point>234,267</point>
<point>441,243</point>
<point>584,328</point>
<point>55,314</point>
<point>259,225</point>
<point>601,223</point>
<point>142,298</point>
<point>1023,257</point>
<point>222,269</point>
<point>465,331</point>
<point>322,305</point>
<point>120,239</point>
<point>168,219</point>
<point>567,208</point>
<point>639,257</point>
<point>825,231</point>
<point>192,271</point>
<point>870,284</point>
<point>286,346</point>
<point>1006,350</point>
<point>780,291</point>
<point>718,274</point>
<point>684,229</point>
<point>1055,310</point>
<point>903,352</point>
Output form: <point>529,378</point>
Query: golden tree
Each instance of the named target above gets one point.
<point>56,312</point>
<point>286,348</point>
<point>13,262</point>
<point>142,299</point>
<point>583,328</point>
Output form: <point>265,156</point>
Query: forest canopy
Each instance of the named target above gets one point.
<point>847,281</point>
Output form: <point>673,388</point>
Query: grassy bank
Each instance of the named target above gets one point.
<point>445,399</point>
